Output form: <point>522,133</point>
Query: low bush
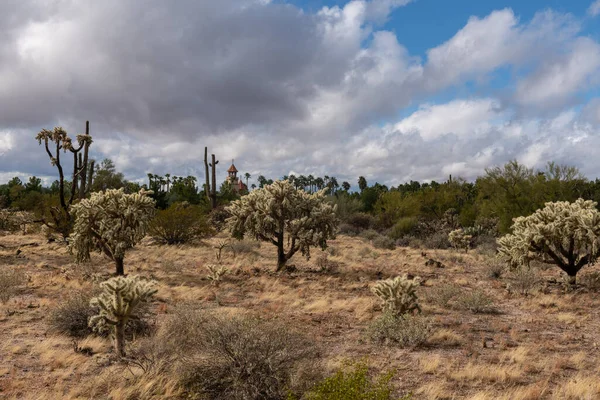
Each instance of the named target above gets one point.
<point>525,281</point>
<point>437,240</point>
<point>404,226</point>
<point>244,246</point>
<point>353,382</point>
<point>11,281</point>
<point>369,234</point>
<point>347,229</point>
<point>384,242</point>
<point>443,295</point>
<point>238,357</point>
<point>476,301</point>
<point>494,268</point>
<point>180,223</point>
<point>71,317</point>
<point>404,331</point>
<point>591,280</point>
<point>361,221</point>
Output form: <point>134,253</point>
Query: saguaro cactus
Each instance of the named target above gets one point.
<point>210,189</point>
<point>117,304</point>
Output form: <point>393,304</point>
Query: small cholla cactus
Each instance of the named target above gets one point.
<point>117,304</point>
<point>460,240</point>
<point>110,222</point>
<point>563,233</point>
<point>215,272</point>
<point>398,295</point>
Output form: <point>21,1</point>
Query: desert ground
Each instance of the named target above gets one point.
<point>514,345</point>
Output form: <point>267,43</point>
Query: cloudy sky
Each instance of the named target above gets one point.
<point>390,89</point>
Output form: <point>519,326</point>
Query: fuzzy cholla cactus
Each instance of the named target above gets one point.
<point>117,304</point>
<point>215,272</point>
<point>110,222</point>
<point>563,233</point>
<point>283,215</point>
<point>460,240</point>
<point>398,295</point>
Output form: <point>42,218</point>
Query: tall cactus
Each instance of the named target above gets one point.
<point>117,304</point>
<point>398,295</point>
<point>210,189</point>
<point>61,217</point>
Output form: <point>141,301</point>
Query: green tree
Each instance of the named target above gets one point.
<point>362,183</point>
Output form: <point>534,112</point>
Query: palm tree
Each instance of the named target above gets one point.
<point>247,176</point>
<point>168,176</point>
<point>310,182</point>
<point>346,186</point>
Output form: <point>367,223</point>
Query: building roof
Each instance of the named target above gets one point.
<point>232,168</point>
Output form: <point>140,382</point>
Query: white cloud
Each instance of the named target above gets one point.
<point>6,142</point>
<point>458,117</point>
<point>594,9</point>
<point>555,81</point>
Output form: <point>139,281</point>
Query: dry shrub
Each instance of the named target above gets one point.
<point>384,242</point>
<point>369,234</point>
<point>11,281</point>
<point>245,246</point>
<point>525,281</point>
<point>180,223</point>
<point>221,356</point>
<point>494,268</point>
<point>404,331</point>
<point>442,295</point>
<point>437,240</point>
<point>361,221</point>
<point>71,315</point>
<point>476,301</point>
<point>591,280</point>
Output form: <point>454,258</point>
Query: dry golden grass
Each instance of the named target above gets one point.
<point>537,347</point>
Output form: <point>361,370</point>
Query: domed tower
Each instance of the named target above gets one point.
<point>232,171</point>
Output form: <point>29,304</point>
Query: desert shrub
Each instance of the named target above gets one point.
<point>353,382</point>
<point>591,280</point>
<point>494,268</point>
<point>347,229</point>
<point>218,217</point>
<point>384,242</point>
<point>398,295</point>
<point>239,357</point>
<point>346,206</point>
<point>436,240</point>
<point>361,221</point>
<point>11,281</point>
<point>525,281</point>
<point>415,243</point>
<point>180,223</point>
<point>404,331</point>
<point>369,234</point>
<point>71,315</point>
<point>402,227</point>
<point>443,295</point>
<point>244,246</point>
<point>324,264</point>
<point>476,301</point>
<point>486,245</point>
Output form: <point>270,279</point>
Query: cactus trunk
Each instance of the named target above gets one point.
<point>120,339</point>
<point>119,265</point>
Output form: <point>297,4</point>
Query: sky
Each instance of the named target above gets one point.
<point>393,90</point>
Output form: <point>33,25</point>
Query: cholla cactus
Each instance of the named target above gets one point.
<point>460,240</point>
<point>562,233</point>
<point>398,295</point>
<point>280,214</point>
<point>215,272</point>
<point>110,222</point>
<point>117,304</point>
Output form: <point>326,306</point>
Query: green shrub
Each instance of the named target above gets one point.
<point>403,227</point>
<point>180,223</point>
<point>442,295</point>
<point>404,331</point>
<point>361,221</point>
<point>384,242</point>
<point>369,234</point>
<point>353,382</point>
